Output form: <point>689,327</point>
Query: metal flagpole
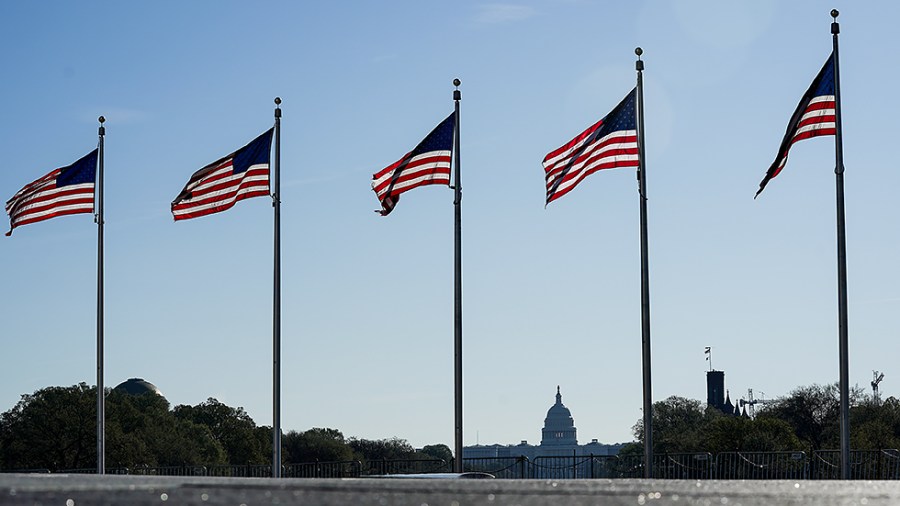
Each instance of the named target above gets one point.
<point>842,259</point>
<point>276,311</point>
<point>101,400</point>
<point>457,293</point>
<point>645,278</point>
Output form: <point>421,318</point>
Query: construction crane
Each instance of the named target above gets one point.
<point>876,379</point>
<point>751,401</point>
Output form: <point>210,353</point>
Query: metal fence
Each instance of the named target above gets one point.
<point>405,466</point>
<point>246,471</point>
<point>820,465</point>
<point>500,467</point>
<point>762,466</point>
<point>864,465</point>
<point>168,471</point>
<point>684,466</point>
<point>345,469</point>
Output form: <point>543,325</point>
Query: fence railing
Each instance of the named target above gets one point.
<point>345,469</point>
<point>405,466</point>
<point>762,466</point>
<point>820,465</point>
<point>169,471</point>
<point>864,465</point>
<point>684,466</point>
<point>500,467</point>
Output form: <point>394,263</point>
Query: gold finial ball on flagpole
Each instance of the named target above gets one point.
<point>101,119</point>
<point>457,82</point>
<point>834,13</point>
<point>277,100</point>
<point>638,51</point>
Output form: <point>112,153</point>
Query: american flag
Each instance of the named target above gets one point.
<point>219,185</point>
<point>428,163</point>
<point>813,117</point>
<point>607,144</point>
<point>67,190</point>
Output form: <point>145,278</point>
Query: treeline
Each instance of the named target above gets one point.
<point>55,428</point>
<point>807,419</point>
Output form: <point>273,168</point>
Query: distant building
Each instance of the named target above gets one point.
<point>719,398</point>
<point>558,438</point>
<point>137,386</point>
<point>715,389</point>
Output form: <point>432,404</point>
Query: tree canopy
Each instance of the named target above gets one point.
<point>807,419</point>
<point>317,445</point>
<point>232,428</point>
<point>55,428</point>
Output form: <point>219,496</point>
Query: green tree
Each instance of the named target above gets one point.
<point>56,428</point>
<point>679,425</point>
<point>739,434</point>
<point>875,426</point>
<point>389,449</point>
<point>814,413</point>
<point>316,445</point>
<point>53,428</point>
<point>142,431</point>
<point>438,451</point>
<point>231,427</point>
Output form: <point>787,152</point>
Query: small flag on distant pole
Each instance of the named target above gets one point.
<point>607,144</point>
<point>428,163</point>
<point>813,117</point>
<point>67,190</point>
<point>221,184</point>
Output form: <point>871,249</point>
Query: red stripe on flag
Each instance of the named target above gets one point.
<point>63,212</point>
<point>224,207</point>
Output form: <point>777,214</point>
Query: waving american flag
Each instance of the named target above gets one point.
<point>607,144</point>
<point>67,190</point>
<point>428,163</point>
<point>221,184</point>
<point>813,117</point>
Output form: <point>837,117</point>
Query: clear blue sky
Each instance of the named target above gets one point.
<point>551,296</point>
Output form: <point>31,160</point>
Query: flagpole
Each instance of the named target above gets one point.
<point>276,310</point>
<point>645,278</point>
<point>842,258</point>
<point>457,293</point>
<point>101,400</point>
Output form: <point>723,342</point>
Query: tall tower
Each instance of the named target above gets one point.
<point>715,389</point>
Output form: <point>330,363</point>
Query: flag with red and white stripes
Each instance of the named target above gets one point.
<point>221,184</point>
<point>67,190</point>
<point>428,163</point>
<point>813,117</point>
<point>607,144</point>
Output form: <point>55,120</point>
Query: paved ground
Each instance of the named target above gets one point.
<point>71,490</point>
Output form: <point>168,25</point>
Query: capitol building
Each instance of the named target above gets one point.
<point>558,439</point>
